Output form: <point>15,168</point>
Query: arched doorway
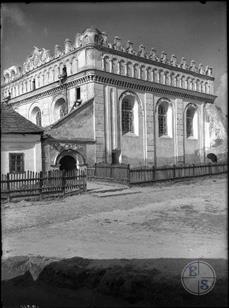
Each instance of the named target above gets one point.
<point>70,160</point>
<point>67,163</point>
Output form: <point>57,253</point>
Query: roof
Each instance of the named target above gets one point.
<point>71,113</point>
<point>14,123</point>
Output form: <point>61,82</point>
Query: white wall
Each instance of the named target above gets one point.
<point>30,145</point>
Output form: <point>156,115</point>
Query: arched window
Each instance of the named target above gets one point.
<point>106,65</point>
<point>60,109</point>
<point>130,115</point>
<point>191,122</point>
<point>36,116</point>
<point>63,110</point>
<point>127,116</point>
<point>165,119</point>
<point>162,119</point>
<point>136,71</point>
<point>128,69</point>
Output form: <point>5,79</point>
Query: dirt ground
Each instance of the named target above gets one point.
<point>167,220</point>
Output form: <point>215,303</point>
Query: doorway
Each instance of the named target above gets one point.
<point>67,163</point>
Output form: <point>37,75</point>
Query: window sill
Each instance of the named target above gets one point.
<point>192,138</point>
<point>129,135</point>
<point>165,137</point>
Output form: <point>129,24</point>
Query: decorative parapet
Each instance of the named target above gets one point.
<point>93,36</point>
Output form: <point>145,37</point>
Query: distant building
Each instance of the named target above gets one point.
<point>20,143</point>
<point>106,102</point>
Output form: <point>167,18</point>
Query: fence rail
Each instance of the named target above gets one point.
<point>123,173</point>
<point>42,184</point>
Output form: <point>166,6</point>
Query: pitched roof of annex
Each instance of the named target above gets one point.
<point>14,123</point>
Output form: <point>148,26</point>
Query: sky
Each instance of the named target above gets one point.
<point>187,29</point>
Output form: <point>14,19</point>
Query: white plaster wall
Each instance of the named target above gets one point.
<point>81,59</point>
<point>30,145</point>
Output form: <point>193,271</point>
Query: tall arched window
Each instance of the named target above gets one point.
<point>130,114</point>
<point>36,116</point>
<point>165,119</point>
<point>191,122</point>
<point>63,111</point>
<point>162,119</point>
<point>60,109</point>
<point>127,116</point>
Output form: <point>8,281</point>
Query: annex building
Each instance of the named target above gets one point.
<point>108,102</point>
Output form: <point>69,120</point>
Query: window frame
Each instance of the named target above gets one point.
<point>129,115</point>
<point>162,121</point>
<point>190,119</point>
<point>78,93</point>
<point>22,163</point>
<point>38,113</point>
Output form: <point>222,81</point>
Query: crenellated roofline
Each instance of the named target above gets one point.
<point>94,38</point>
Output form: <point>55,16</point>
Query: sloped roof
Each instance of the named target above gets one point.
<point>14,123</point>
<point>70,114</point>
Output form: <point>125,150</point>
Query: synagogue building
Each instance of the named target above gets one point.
<point>100,101</point>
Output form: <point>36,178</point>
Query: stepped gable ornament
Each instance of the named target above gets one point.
<point>208,71</point>
<point>142,51</point>
<point>104,39</point>
<point>192,66</point>
<point>163,58</point>
<point>153,55</point>
<point>57,51</point>
<point>183,63</point>
<point>117,45</point>
<point>38,57</point>
<point>78,40</point>
<point>68,47</point>
<point>201,68</point>
<point>173,60</point>
<point>129,47</point>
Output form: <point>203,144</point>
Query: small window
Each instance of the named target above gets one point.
<point>191,122</point>
<point>162,119</point>
<point>78,93</point>
<point>38,118</point>
<point>127,117</point>
<point>16,162</point>
<point>34,84</point>
<point>63,110</point>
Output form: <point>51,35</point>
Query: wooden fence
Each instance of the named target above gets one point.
<point>42,184</point>
<point>125,174</point>
<point>119,173</point>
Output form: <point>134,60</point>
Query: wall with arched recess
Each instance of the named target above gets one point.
<point>132,144</point>
<point>165,144</point>
<point>194,146</point>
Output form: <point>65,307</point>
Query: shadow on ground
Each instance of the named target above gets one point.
<point>78,282</point>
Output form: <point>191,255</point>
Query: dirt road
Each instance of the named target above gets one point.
<point>169,220</point>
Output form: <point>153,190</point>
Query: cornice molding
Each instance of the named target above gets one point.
<point>102,77</point>
<point>151,62</point>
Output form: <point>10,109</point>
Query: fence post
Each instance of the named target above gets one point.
<point>63,182</point>
<point>174,171</point>
<point>111,171</point>
<point>193,168</point>
<point>128,174</point>
<point>154,173</point>
<point>95,172</point>
<point>40,184</point>
<point>83,174</point>
<point>8,186</point>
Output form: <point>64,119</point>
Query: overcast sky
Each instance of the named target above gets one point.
<point>189,29</point>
